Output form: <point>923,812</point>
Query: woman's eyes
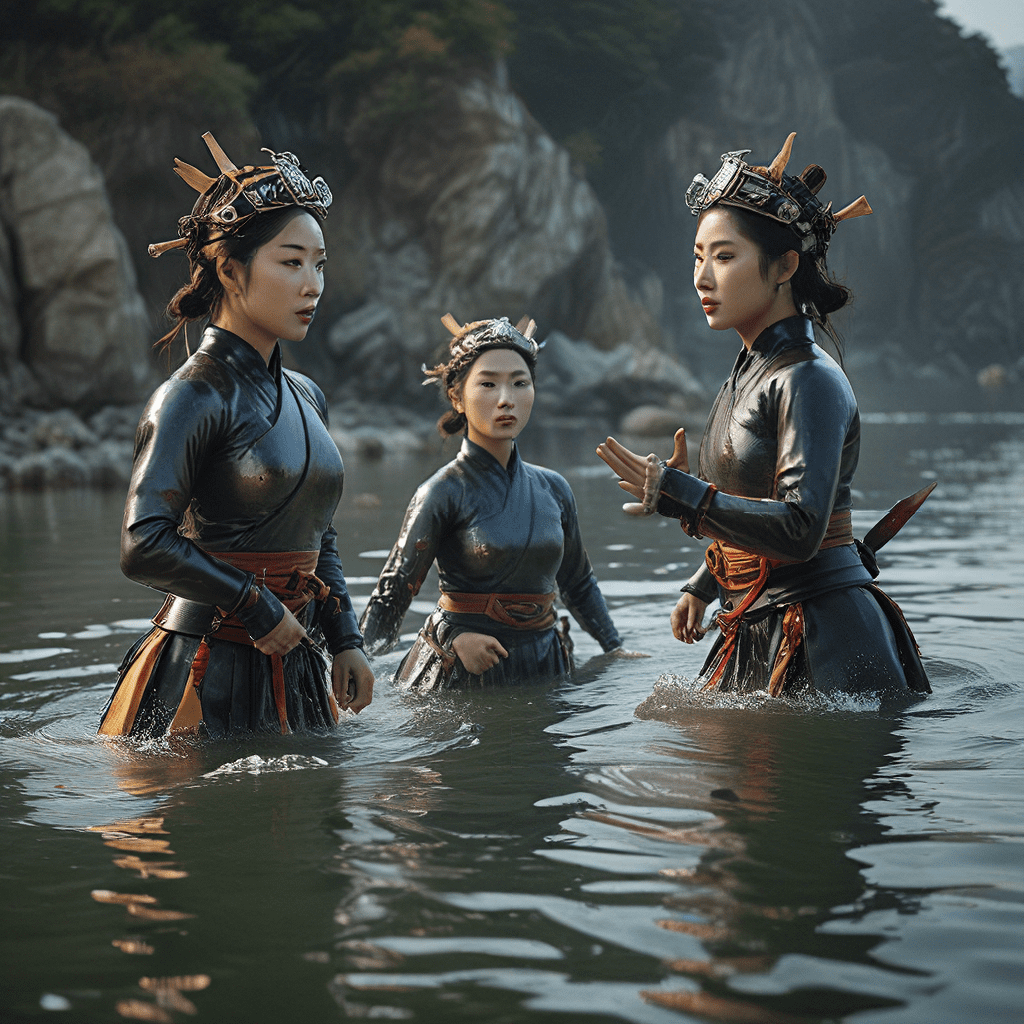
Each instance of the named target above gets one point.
<point>296,262</point>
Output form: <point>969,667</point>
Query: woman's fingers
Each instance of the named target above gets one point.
<point>624,463</point>
<point>352,680</point>
<point>686,618</point>
<point>614,463</point>
<point>478,652</point>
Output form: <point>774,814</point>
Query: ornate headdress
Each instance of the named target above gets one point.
<point>471,339</point>
<point>227,202</point>
<point>771,193</point>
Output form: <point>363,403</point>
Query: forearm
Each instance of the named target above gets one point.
<point>335,615</point>
<point>787,531</point>
<point>154,554</point>
<point>588,608</point>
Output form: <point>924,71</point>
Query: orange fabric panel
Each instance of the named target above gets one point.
<point>120,716</point>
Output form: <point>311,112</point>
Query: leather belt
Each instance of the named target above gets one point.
<point>519,611</point>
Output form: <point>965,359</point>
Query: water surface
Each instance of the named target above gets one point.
<point>611,847</point>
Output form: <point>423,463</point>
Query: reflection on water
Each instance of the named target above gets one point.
<point>612,847</point>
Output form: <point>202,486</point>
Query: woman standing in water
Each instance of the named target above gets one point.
<point>504,533</point>
<point>236,480</point>
<point>773,487</point>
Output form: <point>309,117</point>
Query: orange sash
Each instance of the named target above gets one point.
<point>736,569</point>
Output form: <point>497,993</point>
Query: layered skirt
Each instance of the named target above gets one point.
<point>854,641</point>
<point>156,688</point>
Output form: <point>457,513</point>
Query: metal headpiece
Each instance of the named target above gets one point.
<point>469,340</point>
<point>227,202</point>
<point>771,193</point>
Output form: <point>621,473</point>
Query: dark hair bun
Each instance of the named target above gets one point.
<point>451,423</point>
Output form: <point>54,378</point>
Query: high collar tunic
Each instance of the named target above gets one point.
<point>781,446</point>
<point>233,455</point>
<point>492,530</point>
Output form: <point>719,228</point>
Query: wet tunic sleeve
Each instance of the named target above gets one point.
<point>577,585</point>
<point>184,420</point>
<point>427,520</point>
<point>813,411</point>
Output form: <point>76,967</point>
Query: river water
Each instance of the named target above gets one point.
<point>614,847</point>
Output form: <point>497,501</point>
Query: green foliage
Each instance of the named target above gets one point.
<point>296,53</point>
<point>401,51</point>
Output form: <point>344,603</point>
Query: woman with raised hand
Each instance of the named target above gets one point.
<point>504,533</point>
<point>236,480</point>
<point>773,486</point>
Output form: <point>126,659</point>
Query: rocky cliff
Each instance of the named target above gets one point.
<point>472,209</point>
<point>557,190</point>
<point>72,324</point>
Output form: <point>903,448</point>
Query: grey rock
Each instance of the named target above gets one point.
<point>61,428</point>
<point>651,421</point>
<point>52,468</point>
<point>116,422</point>
<point>109,464</point>
<point>576,374</point>
<point>70,313</point>
<point>473,210</point>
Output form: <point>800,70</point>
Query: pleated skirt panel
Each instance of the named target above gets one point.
<point>855,641</point>
<point>532,655</point>
<point>156,693</point>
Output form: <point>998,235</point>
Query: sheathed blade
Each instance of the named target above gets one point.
<point>896,518</point>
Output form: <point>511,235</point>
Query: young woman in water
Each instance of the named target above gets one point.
<point>504,533</point>
<point>236,480</point>
<point>773,486</point>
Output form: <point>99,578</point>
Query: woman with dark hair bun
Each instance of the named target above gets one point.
<point>799,611</point>
<point>236,480</point>
<point>504,533</point>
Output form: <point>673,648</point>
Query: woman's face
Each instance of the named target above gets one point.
<point>276,295</point>
<point>728,279</point>
<point>497,397</point>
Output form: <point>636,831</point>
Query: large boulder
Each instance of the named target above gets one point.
<point>72,324</point>
<point>471,209</point>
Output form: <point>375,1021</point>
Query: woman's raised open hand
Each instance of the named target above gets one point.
<point>632,469</point>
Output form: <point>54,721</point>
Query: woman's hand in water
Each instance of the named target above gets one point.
<point>621,652</point>
<point>352,680</point>
<point>478,652</point>
<point>686,618</point>
<point>632,468</point>
<point>288,633</point>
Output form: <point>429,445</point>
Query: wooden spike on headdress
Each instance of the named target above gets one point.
<point>526,327</point>
<point>159,248</point>
<point>199,181</point>
<point>219,155</point>
<point>778,165</point>
<point>858,208</point>
<point>453,325</point>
